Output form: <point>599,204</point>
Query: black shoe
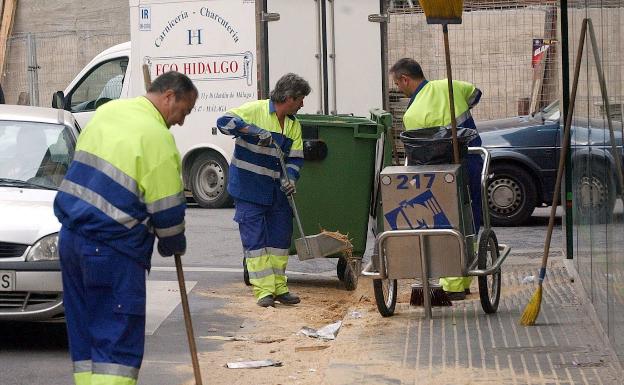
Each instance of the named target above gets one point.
<point>287,299</point>
<point>467,291</point>
<point>456,295</point>
<point>266,301</point>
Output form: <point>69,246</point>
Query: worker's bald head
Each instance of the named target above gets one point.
<point>174,95</point>
<point>179,83</point>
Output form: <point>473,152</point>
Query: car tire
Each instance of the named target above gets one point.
<point>594,195</point>
<point>208,181</point>
<point>512,195</point>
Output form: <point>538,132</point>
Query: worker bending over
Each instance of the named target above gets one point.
<point>260,189</point>
<point>123,189</point>
<point>429,107</point>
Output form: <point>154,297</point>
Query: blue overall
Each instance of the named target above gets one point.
<point>265,232</point>
<point>110,288</point>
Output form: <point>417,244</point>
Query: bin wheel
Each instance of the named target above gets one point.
<point>385,295</point>
<point>341,267</point>
<point>489,285</point>
<point>245,272</point>
<point>351,274</point>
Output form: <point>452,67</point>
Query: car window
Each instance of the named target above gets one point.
<point>101,85</point>
<point>38,153</point>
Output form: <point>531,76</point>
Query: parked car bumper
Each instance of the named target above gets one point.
<point>38,292</point>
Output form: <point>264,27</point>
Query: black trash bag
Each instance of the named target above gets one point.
<point>434,145</point>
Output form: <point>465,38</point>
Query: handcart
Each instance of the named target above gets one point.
<point>429,233</point>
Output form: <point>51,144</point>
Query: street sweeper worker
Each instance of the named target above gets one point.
<point>260,189</point>
<point>429,107</point>
<point>122,190</point>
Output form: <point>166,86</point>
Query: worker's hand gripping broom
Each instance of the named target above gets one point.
<point>532,309</point>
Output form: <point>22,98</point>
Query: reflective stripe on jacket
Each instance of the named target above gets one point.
<point>124,183</point>
<point>255,170</point>
<point>429,105</point>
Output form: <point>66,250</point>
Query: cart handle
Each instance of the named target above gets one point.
<point>504,252</point>
<point>485,171</point>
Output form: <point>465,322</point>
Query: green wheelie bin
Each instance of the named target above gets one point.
<point>337,187</point>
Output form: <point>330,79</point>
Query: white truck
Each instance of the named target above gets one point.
<point>331,43</point>
<point>212,42</point>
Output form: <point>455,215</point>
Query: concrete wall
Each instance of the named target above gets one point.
<point>68,34</point>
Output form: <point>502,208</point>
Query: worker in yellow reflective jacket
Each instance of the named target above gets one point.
<point>429,107</point>
<point>260,189</point>
<point>123,189</point>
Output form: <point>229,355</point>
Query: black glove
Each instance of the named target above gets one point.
<point>166,251</point>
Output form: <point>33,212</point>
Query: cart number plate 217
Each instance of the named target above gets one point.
<point>7,280</point>
<point>417,181</point>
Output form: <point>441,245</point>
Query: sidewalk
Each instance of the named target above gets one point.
<point>463,345</point>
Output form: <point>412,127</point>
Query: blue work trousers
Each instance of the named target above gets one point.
<point>265,232</point>
<point>104,299</point>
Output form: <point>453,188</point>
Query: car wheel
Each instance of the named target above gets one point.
<point>511,195</point>
<point>208,181</point>
<point>594,198</point>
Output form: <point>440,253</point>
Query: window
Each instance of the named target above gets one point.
<point>101,85</point>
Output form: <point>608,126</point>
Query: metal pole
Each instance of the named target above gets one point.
<point>33,67</point>
<point>424,265</point>
<point>187,320</point>
<point>449,76</point>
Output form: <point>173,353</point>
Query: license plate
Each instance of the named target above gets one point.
<point>7,280</point>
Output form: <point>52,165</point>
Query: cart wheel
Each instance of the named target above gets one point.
<point>385,295</point>
<point>245,272</point>
<point>341,267</point>
<point>351,273</point>
<point>489,286</point>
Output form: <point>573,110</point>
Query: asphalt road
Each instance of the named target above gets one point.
<point>37,353</point>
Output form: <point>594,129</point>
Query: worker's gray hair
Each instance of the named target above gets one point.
<point>179,83</point>
<point>289,85</point>
<point>408,67</point>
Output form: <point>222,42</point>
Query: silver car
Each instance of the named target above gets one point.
<point>36,147</point>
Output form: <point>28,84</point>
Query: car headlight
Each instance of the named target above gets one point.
<point>45,249</point>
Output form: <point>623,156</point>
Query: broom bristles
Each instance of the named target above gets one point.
<point>532,309</point>
<point>442,10</point>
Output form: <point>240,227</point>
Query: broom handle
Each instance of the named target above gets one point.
<point>564,152</point>
<point>449,76</point>
<point>291,199</point>
<point>187,320</point>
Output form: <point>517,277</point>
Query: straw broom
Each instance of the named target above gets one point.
<point>532,309</point>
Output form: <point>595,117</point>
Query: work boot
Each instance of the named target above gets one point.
<point>266,301</point>
<point>287,299</point>
<point>456,295</point>
<point>467,291</point>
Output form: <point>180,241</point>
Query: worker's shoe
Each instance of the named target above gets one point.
<point>287,299</point>
<point>266,301</point>
<point>467,291</point>
<point>456,295</point>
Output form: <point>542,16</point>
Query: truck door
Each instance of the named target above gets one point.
<point>334,46</point>
<point>100,84</point>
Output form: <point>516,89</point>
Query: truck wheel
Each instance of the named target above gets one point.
<point>512,195</point>
<point>208,181</point>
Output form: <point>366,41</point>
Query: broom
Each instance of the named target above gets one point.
<point>532,309</point>
<point>442,12</point>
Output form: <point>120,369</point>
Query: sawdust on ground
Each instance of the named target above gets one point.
<point>272,333</point>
